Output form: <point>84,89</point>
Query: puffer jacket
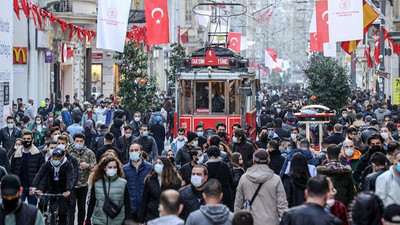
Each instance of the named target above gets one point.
<point>135,178</point>
<point>342,180</point>
<point>271,199</point>
<point>35,161</point>
<point>118,192</point>
<point>192,199</point>
<point>182,156</point>
<point>370,180</point>
<point>247,151</point>
<point>84,155</point>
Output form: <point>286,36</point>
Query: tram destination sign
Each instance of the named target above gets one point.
<point>210,60</point>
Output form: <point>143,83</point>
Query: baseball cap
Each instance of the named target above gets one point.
<point>58,152</point>
<point>392,213</point>
<point>158,119</point>
<point>261,156</point>
<point>10,185</point>
<point>374,122</point>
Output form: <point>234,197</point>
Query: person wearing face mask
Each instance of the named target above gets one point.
<point>317,193</point>
<point>9,133</point>
<point>263,138</point>
<point>345,120</point>
<point>336,207</point>
<point>107,182</point>
<point>38,129</point>
<point>123,143</point>
<point>341,175</point>
<point>388,183</point>
<point>87,161</point>
<point>386,135</point>
<point>221,132</point>
<point>183,156</point>
<point>237,167</point>
<point>350,156</point>
<point>56,176</point>
<point>196,155</point>
<point>179,141</point>
<point>162,176</point>
<point>135,123</point>
<point>13,211</point>
<point>135,172</point>
<point>26,163</point>
<point>147,142</point>
<point>48,150</point>
<point>192,195</point>
<point>88,114</point>
<point>240,145</point>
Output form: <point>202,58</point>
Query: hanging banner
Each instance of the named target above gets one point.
<point>156,12</point>
<point>396,91</point>
<point>345,20</point>
<point>330,49</point>
<point>321,14</point>
<point>112,19</point>
<point>234,40</point>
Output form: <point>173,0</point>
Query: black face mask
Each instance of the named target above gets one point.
<point>264,137</point>
<point>10,205</point>
<point>27,144</point>
<point>172,159</point>
<point>221,134</point>
<point>376,148</point>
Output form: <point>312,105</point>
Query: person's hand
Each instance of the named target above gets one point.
<point>32,191</point>
<point>38,192</point>
<point>84,165</point>
<point>66,194</point>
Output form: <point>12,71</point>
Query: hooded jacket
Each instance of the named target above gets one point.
<point>210,215</point>
<point>270,202</point>
<point>381,113</point>
<point>342,180</point>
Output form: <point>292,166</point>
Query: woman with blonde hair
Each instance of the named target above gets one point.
<point>109,202</point>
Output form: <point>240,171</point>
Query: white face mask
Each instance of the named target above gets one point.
<point>128,135</point>
<point>137,119</point>
<point>38,121</point>
<point>293,136</point>
<point>195,143</point>
<point>16,146</point>
<point>349,152</point>
<point>330,202</point>
<point>385,135</point>
<point>56,137</point>
<point>196,180</point>
<point>51,119</point>
<point>181,137</point>
<point>111,172</point>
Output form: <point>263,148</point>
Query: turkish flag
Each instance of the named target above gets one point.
<point>367,55</point>
<point>321,8</point>
<point>157,21</point>
<point>377,50</point>
<point>314,45</point>
<point>185,37</point>
<point>234,41</point>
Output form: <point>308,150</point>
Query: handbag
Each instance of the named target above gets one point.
<point>247,204</point>
<point>109,207</point>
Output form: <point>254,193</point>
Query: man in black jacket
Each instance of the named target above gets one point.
<point>277,159</point>
<point>240,145</point>
<point>147,142</point>
<point>379,166</point>
<point>108,140</point>
<point>281,132</point>
<point>317,193</point>
<point>337,137</point>
<point>192,195</point>
<point>197,158</point>
<point>9,133</point>
<point>25,163</point>
<point>124,142</point>
<point>56,176</point>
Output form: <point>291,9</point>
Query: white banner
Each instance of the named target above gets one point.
<point>112,22</point>
<point>345,20</point>
<point>313,24</point>
<point>6,58</point>
<point>330,49</point>
<point>269,62</point>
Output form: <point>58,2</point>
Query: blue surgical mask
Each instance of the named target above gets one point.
<point>145,133</point>
<point>288,150</point>
<point>398,167</point>
<point>270,133</point>
<point>235,139</point>
<point>199,134</point>
<point>56,163</point>
<point>79,146</point>
<point>159,168</point>
<point>134,156</point>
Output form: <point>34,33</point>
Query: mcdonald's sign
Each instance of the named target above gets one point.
<point>20,55</point>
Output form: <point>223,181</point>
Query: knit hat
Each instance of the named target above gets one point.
<point>191,136</point>
<point>261,156</point>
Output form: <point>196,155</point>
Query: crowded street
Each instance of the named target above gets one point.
<point>168,112</point>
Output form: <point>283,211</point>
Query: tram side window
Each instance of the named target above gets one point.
<point>232,97</point>
<point>218,96</point>
<point>202,98</point>
<point>187,97</point>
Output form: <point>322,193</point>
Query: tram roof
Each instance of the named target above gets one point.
<point>220,75</point>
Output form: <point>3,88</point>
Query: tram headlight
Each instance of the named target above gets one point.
<point>187,63</point>
<point>232,64</point>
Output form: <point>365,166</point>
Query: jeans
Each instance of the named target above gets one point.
<point>25,194</point>
<point>78,195</point>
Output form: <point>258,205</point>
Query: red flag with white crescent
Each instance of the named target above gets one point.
<point>157,21</point>
<point>321,9</point>
<point>234,41</point>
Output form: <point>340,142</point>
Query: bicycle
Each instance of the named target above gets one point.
<point>50,216</point>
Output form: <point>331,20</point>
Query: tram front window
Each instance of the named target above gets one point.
<point>202,99</point>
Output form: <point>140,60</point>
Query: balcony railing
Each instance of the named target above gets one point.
<point>63,6</point>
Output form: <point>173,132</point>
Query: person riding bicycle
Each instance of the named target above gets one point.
<point>56,176</point>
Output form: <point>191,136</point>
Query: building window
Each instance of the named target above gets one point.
<point>97,78</point>
<point>188,12</point>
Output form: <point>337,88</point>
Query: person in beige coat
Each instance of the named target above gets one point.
<point>270,202</point>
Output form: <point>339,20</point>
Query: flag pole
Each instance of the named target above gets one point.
<point>179,34</point>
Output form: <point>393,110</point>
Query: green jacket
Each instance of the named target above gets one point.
<point>85,155</point>
<point>38,137</point>
<point>116,193</point>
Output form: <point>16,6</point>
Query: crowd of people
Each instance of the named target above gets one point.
<point>111,169</point>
